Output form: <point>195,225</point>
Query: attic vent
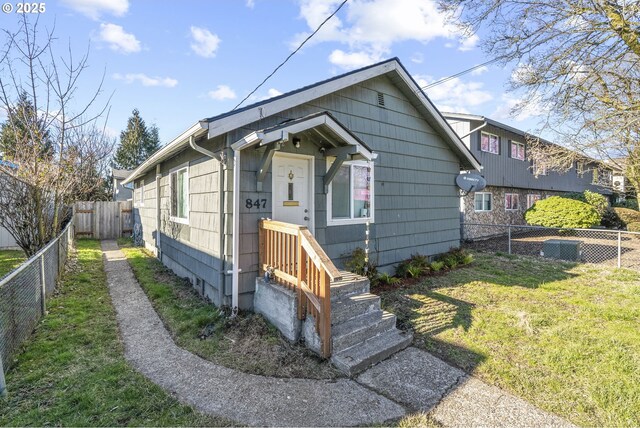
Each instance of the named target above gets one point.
<point>381,99</point>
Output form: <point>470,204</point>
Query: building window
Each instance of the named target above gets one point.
<point>139,193</point>
<point>538,167</point>
<point>179,195</point>
<point>351,194</point>
<point>483,201</point>
<point>531,199</point>
<point>517,150</point>
<point>580,168</point>
<point>596,176</point>
<point>489,143</point>
<point>511,201</point>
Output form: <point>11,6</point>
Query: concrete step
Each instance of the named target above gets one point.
<point>358,358</point>
<point>350,283</point>
<point>353,305</point>
<point>359,329</point>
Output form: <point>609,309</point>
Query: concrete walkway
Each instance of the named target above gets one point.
<point>413,378</point>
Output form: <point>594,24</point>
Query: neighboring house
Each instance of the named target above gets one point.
<point>121,192</point>
<point>514,182</point>
<point>363,149</point>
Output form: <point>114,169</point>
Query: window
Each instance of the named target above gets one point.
<point>517,150</point>
<point>482,201</point>
<point>531,199</point>
<point>139,193</point>
<point>489,143</point>
<point>596,176</point>
<point>351,194</point>
<point>180,195</point>
<point>511,201</point>
<point>538,167</point>
<point>580,168</point>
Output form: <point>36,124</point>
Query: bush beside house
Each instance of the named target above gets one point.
<point>562,212</point>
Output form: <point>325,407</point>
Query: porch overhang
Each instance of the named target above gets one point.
<point>324,130</point>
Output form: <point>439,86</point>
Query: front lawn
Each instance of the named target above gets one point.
<point>247,342</point>
<point>73,372</point>
<point>564,337</point>
<point>9,260</point>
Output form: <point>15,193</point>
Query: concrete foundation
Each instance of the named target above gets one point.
<point>279,306</point>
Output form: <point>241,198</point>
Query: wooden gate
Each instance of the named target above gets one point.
<point>103,219</point>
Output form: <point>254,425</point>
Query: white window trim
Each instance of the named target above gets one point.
<point>474,202</point>
<point>138,193</point>
<point>538,170</point>
<point>357,220</point>
<point>533,194</point>
<point>512,195</point>
<point>489,151</point>
<point>524,150</point>
<point>184,166</point>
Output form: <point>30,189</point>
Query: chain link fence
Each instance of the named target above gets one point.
<point>616,248</point>
<point>23,294</point>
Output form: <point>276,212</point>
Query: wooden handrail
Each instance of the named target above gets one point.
<point>299,262</point>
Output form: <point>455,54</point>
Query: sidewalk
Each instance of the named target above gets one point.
<point>413,378</point>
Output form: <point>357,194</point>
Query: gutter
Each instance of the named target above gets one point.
<point>474,130</point>
<point>221,182</point>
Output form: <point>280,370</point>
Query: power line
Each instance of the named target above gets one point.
<point>453,76</point>
<point>292,53</point>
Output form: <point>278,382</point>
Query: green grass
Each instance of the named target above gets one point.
<point>73,373</point>
<point>247,342</point>
<point>9,260</point>
<point>564,337</point>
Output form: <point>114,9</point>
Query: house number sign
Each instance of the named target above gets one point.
<point>255,203</point>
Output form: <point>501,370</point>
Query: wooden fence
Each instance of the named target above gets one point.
<point>103,220</point>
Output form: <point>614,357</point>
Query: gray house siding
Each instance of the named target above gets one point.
<point>416,201</point>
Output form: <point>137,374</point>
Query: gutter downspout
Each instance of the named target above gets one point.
<point>235,271</point>
<point>474,130</point>
<point>222,275</point>
<point>158,213</point>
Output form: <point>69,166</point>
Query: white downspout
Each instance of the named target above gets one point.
<point>235,249</point>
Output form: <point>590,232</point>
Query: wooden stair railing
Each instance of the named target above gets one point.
<point>298,262</point>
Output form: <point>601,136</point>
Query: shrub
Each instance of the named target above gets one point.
<point>437,266</point>
<point>385,278</point>
<point>413,267</point>
<point>611,220</point>
<point>634,226</point>
<point>627,215</point>
<point>563,213</point>
<point>415,271</point>
<point>356,264</point>
<point>597,201</point>
<point>627,203</point>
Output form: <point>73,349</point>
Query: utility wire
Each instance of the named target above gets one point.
<point>453,76</point>
<point>292,53</point>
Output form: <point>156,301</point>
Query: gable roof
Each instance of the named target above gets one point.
<point>392,68</point>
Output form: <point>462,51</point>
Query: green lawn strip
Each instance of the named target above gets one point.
<point>72,371</point>
<point>9,260</point>
<point>564,337</point>
<point>247,343</point>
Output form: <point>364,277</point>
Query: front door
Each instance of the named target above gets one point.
<point>292,189</point>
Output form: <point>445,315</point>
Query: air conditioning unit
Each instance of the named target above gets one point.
<point>562,249</point>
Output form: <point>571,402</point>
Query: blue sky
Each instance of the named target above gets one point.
<point>181,61</point>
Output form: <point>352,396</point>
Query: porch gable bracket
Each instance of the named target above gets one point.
<point>265,163</point>
<point>335,166</point>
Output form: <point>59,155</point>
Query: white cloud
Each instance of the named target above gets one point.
<point>145,80</point>
<point>508,102</point>
<point>455,95</point>
<point>417,57</point>
<point>251,4</point>
<point>205,43</point>
<point>118,39</point>
<point>221,93</point>
<point>352,60</point>
<point>370,28</point>
<point>95,8</point>
<point>273,92</point>
<point>468,43</point>
<point>480,70</point>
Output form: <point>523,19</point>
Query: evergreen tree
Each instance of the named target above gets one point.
<point>137,143</point>
<point>23,131</point>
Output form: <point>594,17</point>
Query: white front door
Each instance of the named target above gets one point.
<point>292,187</point>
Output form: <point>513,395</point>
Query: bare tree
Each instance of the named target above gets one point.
<point>576,60</point>
<point>53,147</point>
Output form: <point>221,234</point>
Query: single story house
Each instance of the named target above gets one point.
<point>514,181</point>
<point>363,156</point>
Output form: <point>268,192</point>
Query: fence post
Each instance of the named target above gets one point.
<point>619,249</point>
<point>43,288</point>
<point>3,383</point>
<point>509,234</point>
